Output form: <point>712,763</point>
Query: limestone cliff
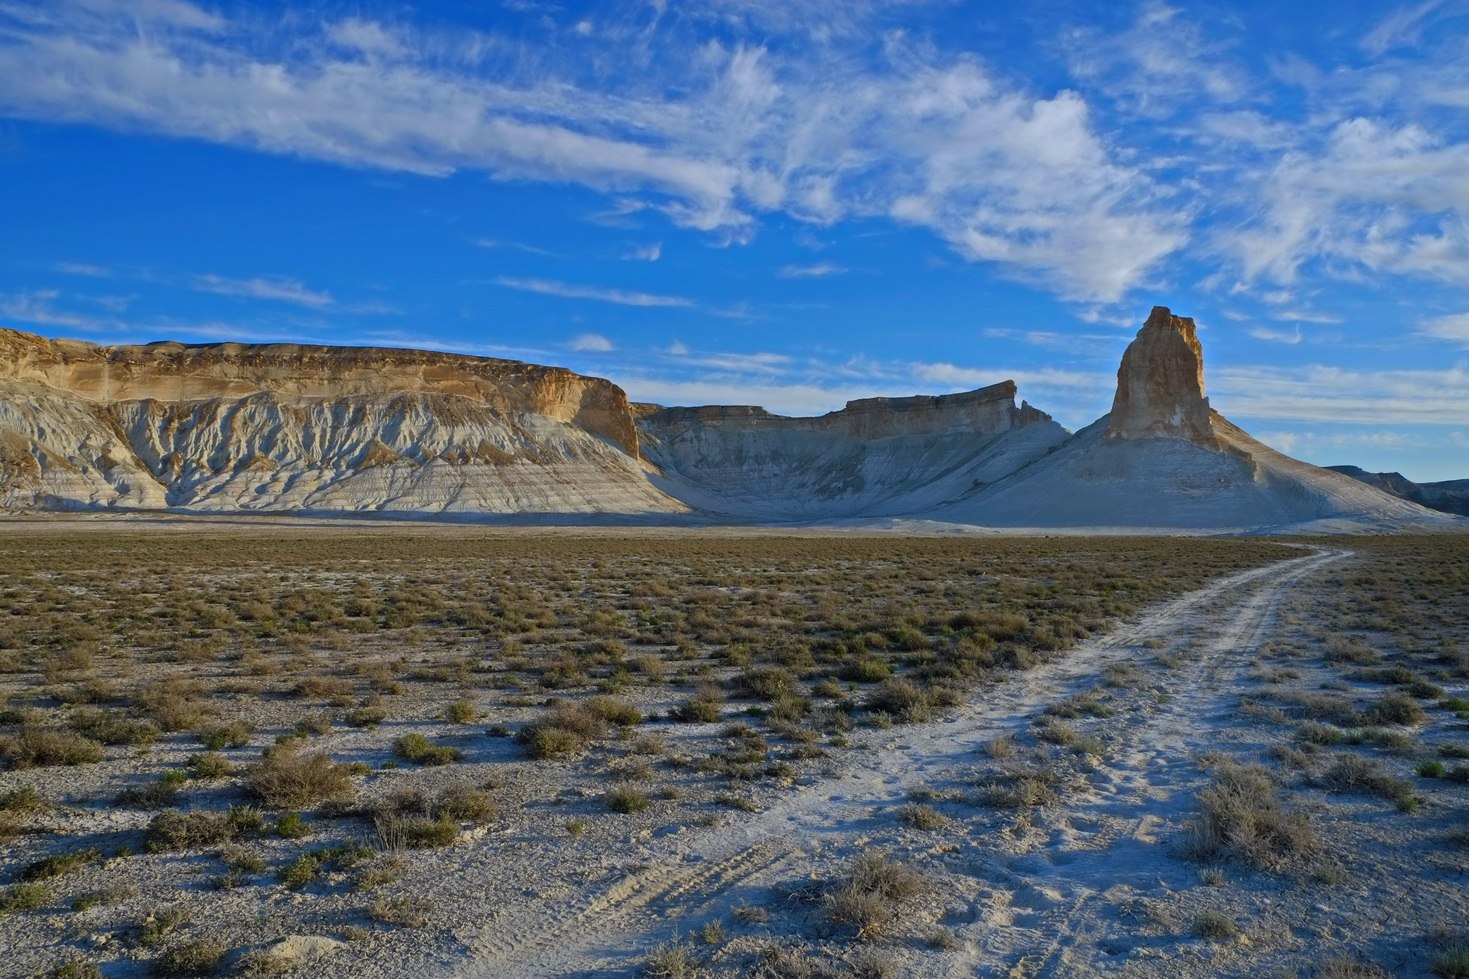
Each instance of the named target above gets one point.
<point>286,426</point>
<point>875,457</point>
<point>1160,384</point>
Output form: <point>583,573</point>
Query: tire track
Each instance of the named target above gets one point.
<point>598,932</point>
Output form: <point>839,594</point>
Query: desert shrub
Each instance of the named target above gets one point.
<point>614,711</point>
<point>403,911</point>
<point>766,683</point>
<point>626,799</point>
<point>292,826</point>
<point>24,897</point>
<point>368,715</point>
<point>673,961</point>
<point>399,832</point>
<point>1240,814</point>
<point>870,893</point>
<point>1395,707</point>
<point>199,957</point>
<point>901,699</point>
<point>285,778</point>
<point>467,803</point>
<point>195,830</point>
<point>1215,926</point>
<point>1451,962</point>
<point>76,967</point>
<point>420,750</point>
<point>236,734</point>
<point>1347,969</point>
<point>461,712</point>
<point>59,863</point>
<point>921,816</point>
<point>702,707</point>
<point>38,747</point>
<point>566,730</point>
<point>1017,790</point>
<point>113,727</point>
<point>1352,773</point>
<point>210,765</point>
<point>159,793</point>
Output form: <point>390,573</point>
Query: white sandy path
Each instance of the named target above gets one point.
<point>692,874</point>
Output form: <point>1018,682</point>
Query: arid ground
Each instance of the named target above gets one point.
<point>281,748</point>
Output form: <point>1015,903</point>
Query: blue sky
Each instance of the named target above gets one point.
<point>773,202</point>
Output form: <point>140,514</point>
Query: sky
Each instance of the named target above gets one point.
<point>773,202</point>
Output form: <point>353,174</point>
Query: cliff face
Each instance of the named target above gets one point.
<point>284,426</point>
<point>875,457</point>
<point>1160,384</point>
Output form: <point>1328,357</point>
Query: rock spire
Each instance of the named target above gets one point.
<point>1160,385</point>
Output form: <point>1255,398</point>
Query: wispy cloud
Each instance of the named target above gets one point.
<point>1455,328</point>
<point>646,253</point>
<point>711,134</point>
<point>567,290</point>
<point>819,270</point>
<point>1330,394</point>
<point>83,269</point>
<point>590,343</point>
<point>518,246</point>
<point>275,290</point>
<point>1276,336</point>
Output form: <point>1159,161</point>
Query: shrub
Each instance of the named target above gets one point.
<point>420,750</point>
<point>673,961</point>
<point>1395,707</point>
<point>233,735</point>
<point>767,683</point>
<point>901,699</point>
<point>467,803</point>
<point>566,730</point>
<point>1351,773</point>
<point>1241,814</point>
<point>24,897</point>
<point>923,817</point>
<point>402,911</point>
<point>870,893</point>
<point>200,957</point>
<point>626,799</point>
<point>59,863</point>
<point>286,779</point>
<point>210,765</point>
<point>1451,962</point>
<point>36,747</point>
<point>614,711</point>
<point>301,871</point>
<point>461,712</point>
<point>113,727</point>
<point>1215,926</point>
<point>370,715</point>
<point>400,832</point>
<point>194,830</point>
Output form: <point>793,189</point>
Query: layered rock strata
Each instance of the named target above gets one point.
<point>284,426</point>
<point>1160,384</point>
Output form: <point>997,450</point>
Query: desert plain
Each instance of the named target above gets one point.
<point>280,747</point>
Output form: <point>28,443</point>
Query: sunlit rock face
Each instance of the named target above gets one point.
<point>284,426</point>
<point>1160,384</point>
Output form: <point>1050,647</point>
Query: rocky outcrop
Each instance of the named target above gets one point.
<point>1160,384</point>
<point>875,457</point>
<point>1448,496</point>
<point>285,426</point>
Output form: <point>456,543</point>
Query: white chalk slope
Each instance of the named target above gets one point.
<point>1173,483</point>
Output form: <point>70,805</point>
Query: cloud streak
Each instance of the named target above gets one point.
<point>567,290</point>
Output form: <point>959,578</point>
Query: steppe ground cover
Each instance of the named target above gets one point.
<point>215,742</point>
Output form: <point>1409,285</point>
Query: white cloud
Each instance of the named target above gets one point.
<point>590,343</point>
<point>710,135</point>
<point>1455,328</point>
<point>819,270</point>
<point>646,253</point>
<point>83,269</point>
<point>276,290</point>
<point>514,246</point>
<point>566,290</point>
<point>1276,336</point>
<point>1331,394</point>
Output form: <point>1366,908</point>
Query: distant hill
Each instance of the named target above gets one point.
<point>1450,496</point>
<point>290,428</point>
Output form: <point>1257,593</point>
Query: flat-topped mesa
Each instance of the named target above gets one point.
<point>988,411</point>
<point>174,372</point>
<point>1160,384</point>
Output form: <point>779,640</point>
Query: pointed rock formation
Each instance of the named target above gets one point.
<point>1160,385</point>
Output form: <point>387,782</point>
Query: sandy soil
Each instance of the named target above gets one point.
<point>1093,880</point>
